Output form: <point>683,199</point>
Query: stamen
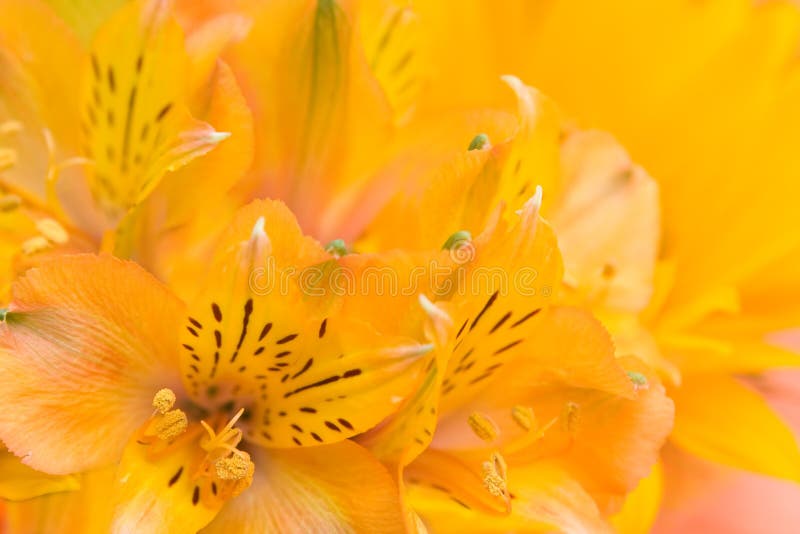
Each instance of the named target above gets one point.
<point>164,400</point>
<point>8,127</point>
<point>53,231</point>
<point>34,245</point>
<point>494,475</point>
<point>9,203</point>
<point>234,467</point>
<point>170,425</point>
<point>230,465</point>
<point>482,426</point>
<point>569,417</point>
<point>524,417</point>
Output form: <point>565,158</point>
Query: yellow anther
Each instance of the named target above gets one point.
<point>524,417</point>
<point>34,245</point>
<point>8,127</point>
<point>164,400</point>
<point>570,416</point>
<point>9,203</point>
<point>482,426</point>
<point>494,475</point>
<point>234,467</point>
<point>171,425</point>
<point>8,157</point>
<point>53,231</point>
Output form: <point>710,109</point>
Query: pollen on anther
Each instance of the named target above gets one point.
<point>235,467</point>
<point>494,475</point>
<point>171,425</point>
<point>164,400</point>
<point>482,426</point>
<point>524,417</point>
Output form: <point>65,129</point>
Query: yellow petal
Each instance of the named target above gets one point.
<point>87,509</point>
<point>51,53</point>
<point>264,335</point>
<point>19,482</point>
<point>85,339</point>
<point>721,420</point>
<point>154,233</point>
<point>337,487</point>
<point>506,279</point>
<point>607,221</point>
<point>390,31</point>
<point>545,499</point>
<point>85,17</point>
<point>323,121</point>
<point>641,506</point>
<point>135,122</point>
<point>165,485</point>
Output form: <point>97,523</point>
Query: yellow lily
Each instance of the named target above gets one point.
<point>329,89</point>
<point>526,421</point>
<point>232,413</point>
<point>724,274</point>
<point>124,120</point>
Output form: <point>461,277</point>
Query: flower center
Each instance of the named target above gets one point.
<point>213,463</point>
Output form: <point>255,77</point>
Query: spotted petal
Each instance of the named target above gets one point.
<point>135,122</point>
<point>266,338</point>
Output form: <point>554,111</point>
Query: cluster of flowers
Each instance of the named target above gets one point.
<point>333,266</point>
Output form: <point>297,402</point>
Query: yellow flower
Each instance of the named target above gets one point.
<point>526,420</point>
<point>124,118</point>
<point>237,407</point>
<point>704,96</point>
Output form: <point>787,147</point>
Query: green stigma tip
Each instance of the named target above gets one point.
<point>337,248</point>
<point>637,378</point>
<point>457,239</point>
<point>479,141</point>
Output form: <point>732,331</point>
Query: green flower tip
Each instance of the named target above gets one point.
<point>637,378</point>
<point>337,248</point>
<point>479,142</point>
<point>3,312</point>
<point>456,240</point>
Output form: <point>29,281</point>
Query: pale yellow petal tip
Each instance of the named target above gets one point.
<point>533,204</point>
<point>440,321</point>
<point>513,82</point>
<point>258,229</point>
<point>217,137</point>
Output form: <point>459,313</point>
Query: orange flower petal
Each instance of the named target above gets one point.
<point>331,487</point>
<point>86,342</point>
